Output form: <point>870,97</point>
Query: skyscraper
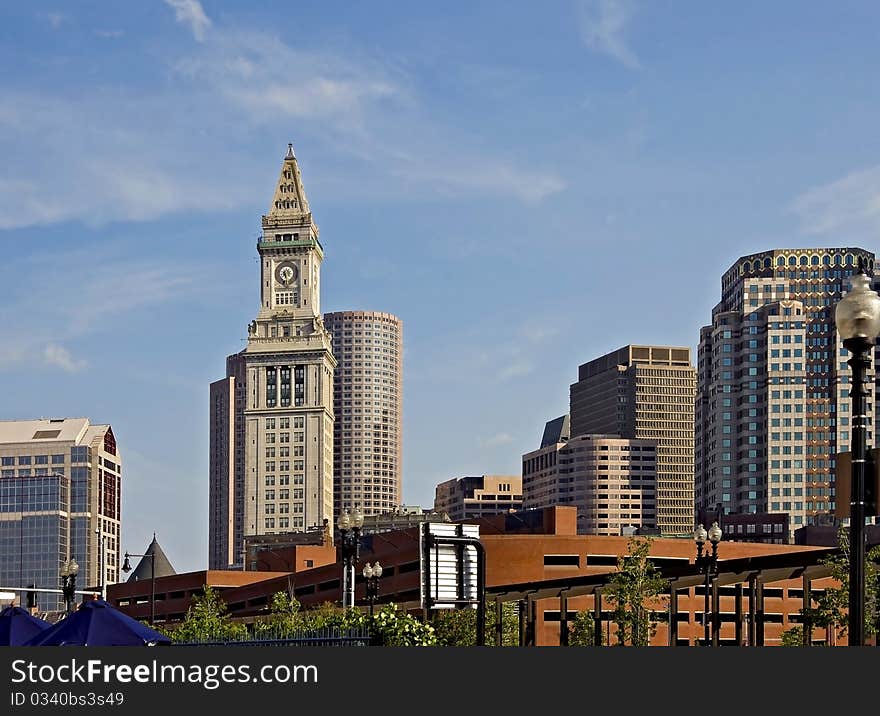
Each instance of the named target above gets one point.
<point>368,405</point>
<point>645,392</point>
<point>773,385</point>
<point>271,436</point>
<point>59,499</point>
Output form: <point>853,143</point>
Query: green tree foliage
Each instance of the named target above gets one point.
<point>832,606</point>
<point>207,619</point>
<point>458,627</point>
<point>582,629</point>
<point>634,588</point>
<point>793,636</point>
<point>392,627</point>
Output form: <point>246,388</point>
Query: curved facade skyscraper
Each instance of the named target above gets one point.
<point>368,406</point>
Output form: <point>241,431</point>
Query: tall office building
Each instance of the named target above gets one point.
<point>271,418</point>
<point>646,392</point>
<point>368,405</point>
<point>611,480</point>
<point>773,390</point>
<point>59,499</point>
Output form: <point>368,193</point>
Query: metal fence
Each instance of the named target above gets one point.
<point>326,636</point>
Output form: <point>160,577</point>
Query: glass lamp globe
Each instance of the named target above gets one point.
<point>368,571</point>
<point>377,569</point>
<point>344,520</point>
<point>700,534</point>
<point>715,533</point>
<point>357,516</point>
<point>857,314</point>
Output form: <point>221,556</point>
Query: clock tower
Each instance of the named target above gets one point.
<point>272,416</point>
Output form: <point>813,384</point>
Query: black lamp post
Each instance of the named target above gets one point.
<point>126,567</point>
<point>69,570</point>
<point>707,564</point>
<point>371,575</point>
<point>350,524</point>
<point>857,316</point>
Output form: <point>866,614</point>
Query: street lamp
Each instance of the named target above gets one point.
<point>707,564</point>
<point>371,575</point>
<point>126,567</point>
<point>69,570</point>
<point>350,524</point>
<point>857,316</point>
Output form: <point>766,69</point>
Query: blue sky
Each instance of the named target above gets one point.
<point>526,186</point>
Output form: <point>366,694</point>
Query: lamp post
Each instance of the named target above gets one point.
<point>857,316</point>
<point>707,564</point>
<point>126,567</point>
<point>69,570</point>
<point>102,566</point>
<point>350,524</point>
<point>371,575</point>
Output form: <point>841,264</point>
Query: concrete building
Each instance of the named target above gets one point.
<point>773,401</point>
<point>646,392</point>
<point>60,482</point>
<point>271,418</point>
<point>478,496</point>
<point>611,481</point>
<point>368,407</point>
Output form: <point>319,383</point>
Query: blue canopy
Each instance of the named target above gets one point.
<point>98,623</point>
<point>17,625</point>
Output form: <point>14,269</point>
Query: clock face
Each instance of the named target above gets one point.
<point>286,273</point>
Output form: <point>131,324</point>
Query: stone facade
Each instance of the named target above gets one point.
<point>276,403</point>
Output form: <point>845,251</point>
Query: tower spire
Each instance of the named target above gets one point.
<point>289,203</point>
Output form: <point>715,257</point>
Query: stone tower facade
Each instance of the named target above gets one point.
<point>271,445</point>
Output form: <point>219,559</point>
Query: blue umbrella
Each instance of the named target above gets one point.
<point>97,623</point>
<point>17,625</point>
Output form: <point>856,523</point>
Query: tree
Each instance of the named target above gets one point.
<point>207,619</point>
<point>582,629</point>
<point>632,588</point>
<point>793,636</point>
<point>391,627</point>
<point>832,606</point>
<point>458,627</point>
<point>284,619</point>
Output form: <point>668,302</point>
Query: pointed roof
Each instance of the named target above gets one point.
<point>144,569</point>
<point>289,203</point>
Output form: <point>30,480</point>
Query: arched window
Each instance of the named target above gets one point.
<point>747,266</point>
<point>849,259</point>
<point>792,261</point>
<point>780,261</point>
<point>826,260</point>
<point>804,261</point>
<point>815,260</point>
<point>838,259</point>
<point>768,263</point>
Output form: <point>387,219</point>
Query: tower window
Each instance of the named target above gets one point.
<point>287,298</point>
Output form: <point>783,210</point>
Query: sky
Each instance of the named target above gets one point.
<point>526,186</point>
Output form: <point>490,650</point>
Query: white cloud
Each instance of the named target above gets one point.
<point>496,440</point>
<point>191,12</point>
<point>114,154</point>
<point>850,204</point>
<point>87,299</point>
<point>56,19</point>
<point>603,23</point>
<point>515,369</point>
<point>60,357</point>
